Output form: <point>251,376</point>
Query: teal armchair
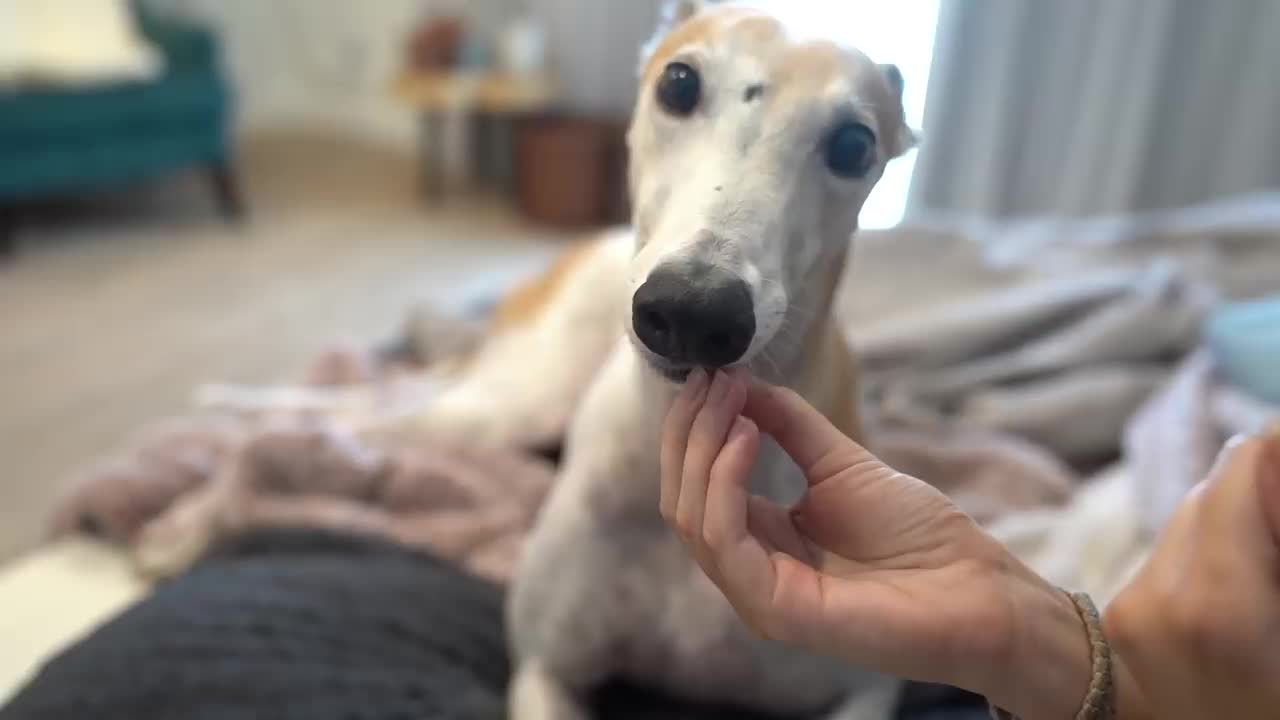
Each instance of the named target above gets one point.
<point>62,141</point>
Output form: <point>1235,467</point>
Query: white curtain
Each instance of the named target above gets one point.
<point>595,46</point>
<point>1083,107</point>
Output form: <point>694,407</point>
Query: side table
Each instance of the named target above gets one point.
<point>484,102</point>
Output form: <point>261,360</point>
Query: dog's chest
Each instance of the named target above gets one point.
<point>607,588</point>
<point>690,638</point>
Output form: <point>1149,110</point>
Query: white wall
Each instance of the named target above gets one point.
<point>317,63</point>
<point>329,63</point>
<point>596,46</point>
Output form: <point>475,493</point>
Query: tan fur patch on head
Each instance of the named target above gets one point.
<point>705,28</point>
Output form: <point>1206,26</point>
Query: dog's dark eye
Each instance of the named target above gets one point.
<point>851,150</point>
<point>680,89</point>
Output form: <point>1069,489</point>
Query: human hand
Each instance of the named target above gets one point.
<point>871,566</point>
<point>1199,625</point>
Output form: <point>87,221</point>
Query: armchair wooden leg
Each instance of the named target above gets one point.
<point>8,233</point>
<point>226,191</point>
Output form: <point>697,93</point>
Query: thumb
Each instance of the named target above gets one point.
<point>817,446</point>
<point>1239,501</point>
<point>813,442</point>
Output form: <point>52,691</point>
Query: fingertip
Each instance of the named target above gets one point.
<point>738,388</point>
<point>697,378</point>
<point>1240,453</point>
<point>1270,440</point>
<point>736,377</point>
<point>695,386</point>
<point>743,430</point>
<point>760,395</point>
<point>1246,472</point>
<point>691,397</point>
<point>758,387</point>
<point>776,406</point>
<point>1269,479</point>
<point>719,384</point>
<point>742,444</point>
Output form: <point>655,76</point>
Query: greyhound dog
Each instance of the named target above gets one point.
<point>753,149</point>
<point>752,152</point>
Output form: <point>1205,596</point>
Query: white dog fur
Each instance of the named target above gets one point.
<point>604,587</point>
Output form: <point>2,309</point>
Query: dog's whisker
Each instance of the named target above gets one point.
<point>790,330</point>
<point>767,358</point>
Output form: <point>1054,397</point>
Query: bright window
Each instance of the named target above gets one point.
<point>894,31</point>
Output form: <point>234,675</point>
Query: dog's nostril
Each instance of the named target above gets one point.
<point>656,322</point>
<point>719,339</point>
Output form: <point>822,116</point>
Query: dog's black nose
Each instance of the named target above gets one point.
<point>694,314</point>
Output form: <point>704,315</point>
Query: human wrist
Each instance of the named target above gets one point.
<point>1045,671</point>
<point>1047,668</point>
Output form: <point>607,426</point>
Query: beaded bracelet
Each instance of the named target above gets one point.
<point>1099,701</point>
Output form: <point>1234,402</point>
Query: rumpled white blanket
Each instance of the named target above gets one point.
<point>1062,362</point>
<point>72,42</point>
<point>1080,336</point>
<point>1097,541</point>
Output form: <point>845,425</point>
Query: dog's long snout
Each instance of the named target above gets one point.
<point>694,314</point>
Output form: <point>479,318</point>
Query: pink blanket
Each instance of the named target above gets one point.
<point>292,457</point>
<point>300,467</point>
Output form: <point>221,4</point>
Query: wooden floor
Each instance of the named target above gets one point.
<point>113,312</point>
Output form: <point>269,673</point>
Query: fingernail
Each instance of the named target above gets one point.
<point>719,381</point>
<point>1271,449</point>
<point>738,391</point>
<point>697,378</point>
<point>1271,439</point>
<point>1269,480</point>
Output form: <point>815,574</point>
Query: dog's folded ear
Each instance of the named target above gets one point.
<point>678,11</point>
<point>905,138</point>
<point>673,13</point>
<point>894,77</point>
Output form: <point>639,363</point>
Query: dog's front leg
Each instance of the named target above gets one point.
<point>174,541</point>
<point>537,694</point>
<point>523,384</point>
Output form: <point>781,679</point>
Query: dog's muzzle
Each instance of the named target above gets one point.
<point>693,314</point>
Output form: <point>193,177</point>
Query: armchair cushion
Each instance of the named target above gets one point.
<point>74,139</point>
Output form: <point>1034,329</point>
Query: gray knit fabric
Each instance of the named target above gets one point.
<point>308,625</point>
